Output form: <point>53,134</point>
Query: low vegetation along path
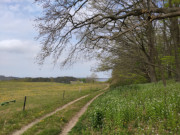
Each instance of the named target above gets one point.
<point>23,129</point>
<point>75,119</point>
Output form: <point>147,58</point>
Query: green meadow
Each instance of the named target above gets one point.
<point>133,109</point>
<point>54,124</point>
<point>42,98</point>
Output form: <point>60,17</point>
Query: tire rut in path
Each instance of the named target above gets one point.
<point>75,119</point>
<point>23,129</point>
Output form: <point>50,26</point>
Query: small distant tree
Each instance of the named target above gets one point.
<point>93,77</point>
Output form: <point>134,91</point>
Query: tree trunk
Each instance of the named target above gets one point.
<point>175,34</point>
<point>152,73</point>
<point>150,37</point>
<point>176,42</point>
<point>167,49</point>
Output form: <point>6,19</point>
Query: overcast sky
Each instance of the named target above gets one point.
<point>18,48</point>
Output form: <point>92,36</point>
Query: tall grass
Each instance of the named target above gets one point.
<point>134,109</point>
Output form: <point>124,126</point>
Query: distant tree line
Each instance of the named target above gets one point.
<point>65,79</point>
<point>3,78</point>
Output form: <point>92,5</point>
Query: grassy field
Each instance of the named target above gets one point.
<point>133,109</point>
<point>54,124</point>
<point>42,98</point>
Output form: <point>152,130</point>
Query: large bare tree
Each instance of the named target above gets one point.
<point>83,28</point>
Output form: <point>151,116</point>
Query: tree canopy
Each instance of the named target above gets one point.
<point>142,29</point>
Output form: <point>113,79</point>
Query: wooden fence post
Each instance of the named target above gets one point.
<point>63,94</point>
<point>24,103</point>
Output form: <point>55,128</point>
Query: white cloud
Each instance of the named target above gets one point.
<point>14,1</point>
<point>13,25</point>
<point>18,47</point>
<point>17,57</point>
<point>15,7</point>
<point>17,19</point>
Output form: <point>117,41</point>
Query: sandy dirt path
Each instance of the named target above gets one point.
<point>75,119</point>
<point>23,129</point>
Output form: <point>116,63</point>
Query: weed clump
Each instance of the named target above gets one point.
<point>97,119</point>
